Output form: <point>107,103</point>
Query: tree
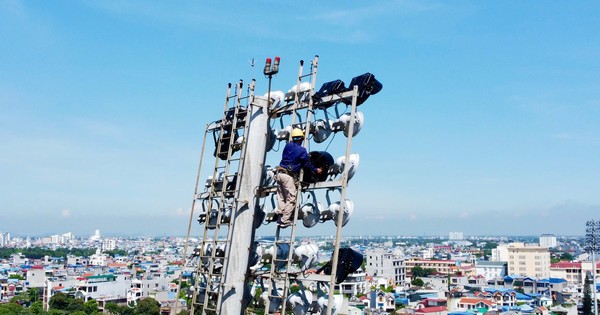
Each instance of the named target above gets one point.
<point>115,309</point>
<point>58,301</point>
<point>417,282</point>
<point>147,306</point>
<point>34,294</point>
<point>90,307</point>
<point>37,307</point>
<point>10,309</point>
<point>417,271</point>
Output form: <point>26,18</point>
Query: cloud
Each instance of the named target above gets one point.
<point>65,213</point>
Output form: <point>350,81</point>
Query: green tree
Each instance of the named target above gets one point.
<point>90,307</point>
<point>59,301</point>
<point>74,304</point>
<point>417,282</point>
<point>417,271</point>
<point>34,294</point>
<point>147,306</point>
<point>10,309</point>
<point>37,307</point>
<point>16,276</point>
<point>115,309</point>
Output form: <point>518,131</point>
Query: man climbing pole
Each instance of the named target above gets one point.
<point>294,159</point>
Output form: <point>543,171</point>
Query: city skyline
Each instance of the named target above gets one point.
<point>486,124</point>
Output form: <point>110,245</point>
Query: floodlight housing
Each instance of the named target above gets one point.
<point>340,164</point>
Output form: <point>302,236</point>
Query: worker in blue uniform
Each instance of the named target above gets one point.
<point>294,159</point>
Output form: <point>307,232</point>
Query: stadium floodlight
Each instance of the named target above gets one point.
<point>367,86</point>
<point>277,98</point>
<point>310,214</point>
<point>320,130</point>
<point>348,210</point>
<point>308,255</point>
<point>354,159</point>
<point>300,301</point>
<point>284,134</point>
<point>359,120</point>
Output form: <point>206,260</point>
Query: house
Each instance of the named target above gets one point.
<point>432,310</point>
<point>466,304</point>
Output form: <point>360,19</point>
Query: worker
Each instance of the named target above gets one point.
<point>294,159</point>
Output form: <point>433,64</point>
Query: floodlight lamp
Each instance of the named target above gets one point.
<point>277,98</point>
<point>212,219</point>
<point>300,301</point>
<point>284,134</point>
<point>320,130</point>
<point>308,255</point>
<point>358,123</point>
<point>348,210</point>
<point>354,159</point>
<point>310,214</point>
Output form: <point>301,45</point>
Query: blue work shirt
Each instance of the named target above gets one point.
<point>295,157</point>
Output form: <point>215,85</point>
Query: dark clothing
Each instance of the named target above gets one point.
<point>295,157</point>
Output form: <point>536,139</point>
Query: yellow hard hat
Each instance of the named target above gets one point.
<point>297,133</point>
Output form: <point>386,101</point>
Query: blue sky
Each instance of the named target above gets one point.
<point>487,123</point>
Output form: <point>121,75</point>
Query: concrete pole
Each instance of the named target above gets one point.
<point>242,237</point>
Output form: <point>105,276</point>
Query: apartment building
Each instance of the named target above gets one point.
<point>548,240</point>
<point>491,269</point>
<point>530,260</point>
<point>573,272</point>
<point>381,263</point>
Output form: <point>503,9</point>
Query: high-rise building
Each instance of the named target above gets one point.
<point>548,240</point>
<point>500,253</point>
<point>109,244</point>
<point>455,236</point>
<point>528,260</point>
<point>96,236</point>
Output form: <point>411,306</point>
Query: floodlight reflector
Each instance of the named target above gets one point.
<point>320,130</point>
<point>310,214</point>
<point>353,165</point>
<point>359,120</point>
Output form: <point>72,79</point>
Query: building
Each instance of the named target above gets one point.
<point>573,272</point>
<point>381,263</point>
<point>109,244</point>
<point>491,269</point>
<point>455,236</point>
<point>354,284</point>
<point>530,260</point>
<point>442,266</point>
<point>548,240</point>
<point>500,253</point>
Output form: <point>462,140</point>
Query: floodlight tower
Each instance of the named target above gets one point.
<point>592,245</point>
